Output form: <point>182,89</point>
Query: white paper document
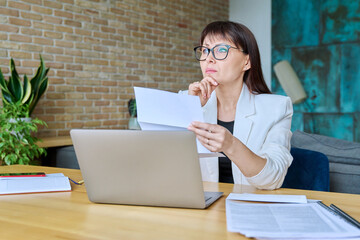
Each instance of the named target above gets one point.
<point>162,110</point>
<point>277,198</point>
<point>285,221</point>
<point>50,183</point>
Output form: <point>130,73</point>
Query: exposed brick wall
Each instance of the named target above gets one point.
<point>98,50</point>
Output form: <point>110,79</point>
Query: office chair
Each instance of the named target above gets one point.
<point>309,171</point>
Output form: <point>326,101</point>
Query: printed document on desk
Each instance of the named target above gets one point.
<point>162,110</point>
<point>285,221</point>
<point>55,182</point>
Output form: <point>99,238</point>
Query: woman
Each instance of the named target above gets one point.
<point>242,118</point>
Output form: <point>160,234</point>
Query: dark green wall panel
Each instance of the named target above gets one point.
<point>321,40</point>
<point>350,78</point>
<point>335,125</point>
<point>357,127</point>
<point>319,70</point>
<point>295,23</point>
<point>340,21</point>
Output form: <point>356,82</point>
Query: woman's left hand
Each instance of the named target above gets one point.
<point>212,136</point>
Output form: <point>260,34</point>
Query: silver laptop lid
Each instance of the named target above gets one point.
<point>155,168</point>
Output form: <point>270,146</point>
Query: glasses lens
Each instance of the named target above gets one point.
<point>201,53</point>
<point>221,52</point>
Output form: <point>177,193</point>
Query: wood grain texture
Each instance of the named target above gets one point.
<point>70,215</point>
<point>55,142</point>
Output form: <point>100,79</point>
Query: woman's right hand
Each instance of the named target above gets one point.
<point>203,89</point>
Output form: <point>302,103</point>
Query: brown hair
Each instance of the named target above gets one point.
<point>243,38</point>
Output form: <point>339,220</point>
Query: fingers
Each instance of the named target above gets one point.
<point>208,143</point>
<point>204,88</point>
<point>212,136</point>
<point>211,128</point>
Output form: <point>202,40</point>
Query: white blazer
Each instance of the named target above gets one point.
<point>262,123</point>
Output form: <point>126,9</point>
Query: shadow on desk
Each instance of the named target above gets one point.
<point>62,157</point>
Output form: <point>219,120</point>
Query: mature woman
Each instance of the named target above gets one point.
<point>243,119</point>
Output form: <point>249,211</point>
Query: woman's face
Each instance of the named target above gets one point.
<point>229,70</point>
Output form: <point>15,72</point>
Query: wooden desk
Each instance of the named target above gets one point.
<point>55,142</point>
<point>70,215</point>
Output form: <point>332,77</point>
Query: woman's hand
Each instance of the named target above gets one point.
<point>212,136</point>
<point>203,89</point>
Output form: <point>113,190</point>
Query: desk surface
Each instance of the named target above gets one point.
<point>55,141</point>
<point>70,215</point>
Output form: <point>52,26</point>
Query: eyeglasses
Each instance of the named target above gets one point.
<point>220,52</point>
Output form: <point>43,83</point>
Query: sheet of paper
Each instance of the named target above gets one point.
<point>285,221</point>
<point>51,183</point>
<point>162,110</point>
<point>277,198</point>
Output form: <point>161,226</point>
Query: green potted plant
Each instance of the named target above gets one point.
<point>17,143</point>
<point>133,123</point>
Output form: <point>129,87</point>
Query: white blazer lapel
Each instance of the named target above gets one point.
<point>210,109</point>
<point>242,126</point>
<point>210,166</point>
<point>245,107</point>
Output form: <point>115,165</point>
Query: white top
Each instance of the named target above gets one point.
<point>262,123</point>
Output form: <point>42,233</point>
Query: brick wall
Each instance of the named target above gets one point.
<point>98,50</point>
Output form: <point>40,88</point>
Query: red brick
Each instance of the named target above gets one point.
<point>72,23</point>
<point>64,29</point>
<point>84,103</point>
<point>108,29</point>
<point>73,67</point>
<point>64,44</point>
<point>55,65</point>
<point>55,95</point>
<point>74,110</point>
<point>54,50</point>
<point>20,38</point>
<point>31,31</point>
<point>28,63</point>
<point>65,103</point>
<point>61,73</point>
<point>54,110</point>
<point>98,52</point>
<point>64,118</point>
<point>101,116</point>
<point>54,20</point>
<point>19,22</point>
<point>92,124</point>
<point>31,16</point>
<point>7,28</point>
<point>42,10</point>
<point>52,4</point>
<point>64,14</point>
<point>74,124</point>
<point>20,55</point>
<point>9,12</point>
<point>74,95</point>
<point>54,35</point>
<point>84,89</point>
<point>82,18</point>
<point>67,59</point>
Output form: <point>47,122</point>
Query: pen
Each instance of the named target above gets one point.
<point>77,183</point>
<point>345,215</point>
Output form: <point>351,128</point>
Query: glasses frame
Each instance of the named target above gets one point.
<point>212,51</point>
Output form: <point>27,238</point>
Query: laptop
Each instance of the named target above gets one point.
<point>148,168</point>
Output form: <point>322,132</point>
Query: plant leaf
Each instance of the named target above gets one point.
<point>14,83</point>
<point>27,89</point>
<point>39,84</point>
<point>3,83</point>
<point>7,97</point>
<point>43,87</point>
